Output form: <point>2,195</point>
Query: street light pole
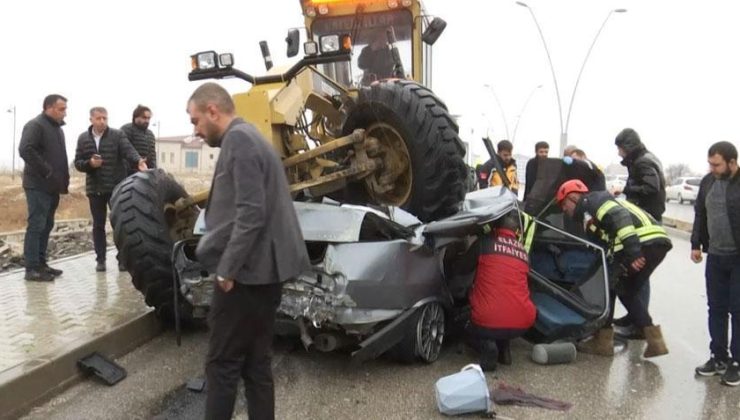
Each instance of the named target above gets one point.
<point>563,136</point>
<point>500,108</point>
<point>564,128</point>
<point>12,170</point>
<point>524,107</point>
<point>583,65</point>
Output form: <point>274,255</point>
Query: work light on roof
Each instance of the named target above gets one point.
<point>329,44</point>
<point>205,60</point>
<point>311,11</point>
<point>323,9</point>
<point>311,48</point>
<point>226,60</point>
<point>406,3</point>
<point>393,4</point>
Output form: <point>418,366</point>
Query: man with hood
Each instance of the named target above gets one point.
<point>645,184</point>
<point>645,187</point>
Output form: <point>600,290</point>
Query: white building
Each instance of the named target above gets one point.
<point>186,154</point>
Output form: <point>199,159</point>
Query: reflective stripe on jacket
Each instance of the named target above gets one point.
<point>619,224</point>
<point>527,233</point>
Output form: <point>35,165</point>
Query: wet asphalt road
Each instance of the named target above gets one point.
<point>323,386</point>
<point>683,212</point>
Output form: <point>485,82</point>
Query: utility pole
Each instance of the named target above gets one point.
<point>12,170</point>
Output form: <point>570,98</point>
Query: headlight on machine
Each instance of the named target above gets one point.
<point>329,44</point>
<point>226,60</point>
<point>209,60</point>
<point>204,60</point>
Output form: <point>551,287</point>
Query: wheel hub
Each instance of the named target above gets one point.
<point>391,183</point>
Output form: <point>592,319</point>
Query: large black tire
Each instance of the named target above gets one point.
<point>439,174</point>
<point>144,239</point>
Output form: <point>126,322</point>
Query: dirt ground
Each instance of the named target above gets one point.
<point>13,213</point>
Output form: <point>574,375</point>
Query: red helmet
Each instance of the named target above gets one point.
<point>571,186</point>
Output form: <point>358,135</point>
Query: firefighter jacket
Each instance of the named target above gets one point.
<point>620,225</point>
<point>500,297</point>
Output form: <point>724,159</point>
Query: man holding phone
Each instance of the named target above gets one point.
<point>100,153</point>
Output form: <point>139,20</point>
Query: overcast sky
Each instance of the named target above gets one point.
<point>668,69</point>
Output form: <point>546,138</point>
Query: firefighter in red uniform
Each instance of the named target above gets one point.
<point>500,301</point>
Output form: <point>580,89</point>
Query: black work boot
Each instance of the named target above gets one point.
<point>53,271</point>
<point>630,332</point>
<point>504,352</point>
<point>33,274</point>
<point>488,356</point>
<point>624,321</point>
<point>100,266</point>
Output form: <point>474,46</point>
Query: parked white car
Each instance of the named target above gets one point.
<point>615,182</point>
<point>683,189</point>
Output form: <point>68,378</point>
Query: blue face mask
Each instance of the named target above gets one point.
<point>568,160</point>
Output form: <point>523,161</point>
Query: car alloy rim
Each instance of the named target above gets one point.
<point>430,332</point>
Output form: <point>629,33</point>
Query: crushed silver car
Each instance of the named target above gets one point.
<point>381,281</point>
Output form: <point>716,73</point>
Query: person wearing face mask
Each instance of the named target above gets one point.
<point>141,137</point>
<point>101,152</point>
<point>716,231</point>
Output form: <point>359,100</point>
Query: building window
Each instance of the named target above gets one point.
<point>191,160</point>
<point>163,159</point>
<point>172,157</point>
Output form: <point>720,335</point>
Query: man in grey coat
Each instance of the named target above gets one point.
<point>253,243</point>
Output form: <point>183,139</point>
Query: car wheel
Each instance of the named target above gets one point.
<point>423,341</point>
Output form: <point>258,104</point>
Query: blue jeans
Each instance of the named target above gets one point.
<point>41,208</point>
<point>723,298</point>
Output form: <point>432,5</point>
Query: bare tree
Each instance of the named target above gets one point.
<point>676,170</point>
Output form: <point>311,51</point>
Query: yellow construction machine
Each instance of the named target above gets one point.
<point>354,119</point>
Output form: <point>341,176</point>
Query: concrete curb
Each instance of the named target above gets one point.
<point>678,224</point>
<point>26,385</point>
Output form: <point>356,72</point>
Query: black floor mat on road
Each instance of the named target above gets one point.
<point>104,368</point>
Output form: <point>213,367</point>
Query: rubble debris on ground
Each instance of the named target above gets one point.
<point>68,238</point>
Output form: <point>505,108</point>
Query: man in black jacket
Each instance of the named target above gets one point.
<point>141,137</point>
<point>645,184</point>
<point>717,232</point>
<point>645,187</point>
<point>101,152</point>
<point>541,150</point>
<point>45,177</point>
